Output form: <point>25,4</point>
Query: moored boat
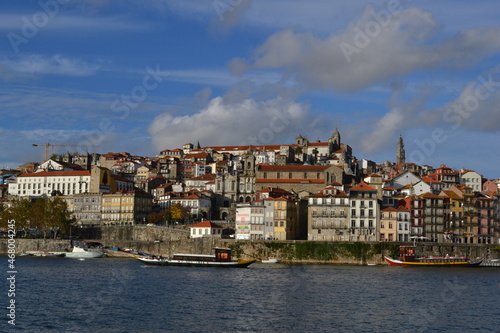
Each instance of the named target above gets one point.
<point>271,260</point>
<point>407,257</point>
<point>221,258</point>
<point>86,250</point>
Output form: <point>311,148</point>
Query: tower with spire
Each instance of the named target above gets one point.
<point>400,153</point>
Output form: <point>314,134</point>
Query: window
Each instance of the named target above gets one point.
<point>353,224</point>
<point>362,223</point>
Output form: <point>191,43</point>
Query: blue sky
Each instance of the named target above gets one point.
<point>143,76</point>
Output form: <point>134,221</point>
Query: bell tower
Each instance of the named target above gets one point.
<point>400,153</point>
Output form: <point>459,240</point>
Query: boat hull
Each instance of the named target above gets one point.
<point>437,263</point>
<point>187,263</point>
<point>84,255</point>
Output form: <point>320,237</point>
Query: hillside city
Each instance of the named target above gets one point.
<point>316,191</point>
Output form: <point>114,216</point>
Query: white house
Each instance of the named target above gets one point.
<point>44,182</point>
<point>472,179</point>
<point>403,179</point>
<point>205,228</point>
<point>250,220</point>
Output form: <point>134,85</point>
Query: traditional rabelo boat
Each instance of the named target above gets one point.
<point>221,258</point>
<point>408,257</point>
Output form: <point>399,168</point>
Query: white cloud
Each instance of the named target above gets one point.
<point>375,48</point>
<point>56,64</point>
<point>246,121</point>
<point>62,24</point>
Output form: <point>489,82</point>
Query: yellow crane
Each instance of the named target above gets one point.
<point>47,145</point>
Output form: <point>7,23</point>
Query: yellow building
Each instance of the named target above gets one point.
<point>388,225</point>
<point>126,207</point>
<point>285,218</point>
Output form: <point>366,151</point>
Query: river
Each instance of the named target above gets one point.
<point>123,295</point>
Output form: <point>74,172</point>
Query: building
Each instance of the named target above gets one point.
<point>286,220</point>
<point>388,224</point>
<point>87,208</point>
<point>364,213</point>
<point>297,178</point>
<point>471,179</point>
<point>205,228</point>
<point>403,221</point>
<point>250,220</point>
<point>436,214</point>
<point>51,183</point>
<point>126,208</point>
<point>328,216</point>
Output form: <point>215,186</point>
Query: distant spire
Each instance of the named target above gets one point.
<point>400,153</point>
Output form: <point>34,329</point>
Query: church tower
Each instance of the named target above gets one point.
<point>335,140</point>
<point>400,154</point>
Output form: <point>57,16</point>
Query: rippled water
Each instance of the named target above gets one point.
<point>122,295</point>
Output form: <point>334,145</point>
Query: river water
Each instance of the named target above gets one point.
<point>123,295</point>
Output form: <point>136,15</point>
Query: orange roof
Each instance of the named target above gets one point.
<point>56,173</point>
<point>429,195</point>
<point>298,181</point>
<point>268,167</point>
<point>206,224</point>
<point>363,187</point>
<point>207,177</point>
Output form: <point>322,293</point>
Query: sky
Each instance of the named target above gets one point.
<point>144,76</point>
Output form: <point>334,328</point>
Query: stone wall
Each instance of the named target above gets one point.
<point>23,245</point>
<point>166,241</point>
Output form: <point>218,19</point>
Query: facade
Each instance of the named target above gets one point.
<point>49,182</point>
<point>126,208</point>
<point>436,213</point>
<point>286,218</point>
<point>87,208</point>
<point>388,224</point>
<point>364,213</point>
<point>328,213</point>
<point>403,221</point>
<point>471,179</point>
<point>205,228</point>
<point>297,178</point>
<point>250,220</point>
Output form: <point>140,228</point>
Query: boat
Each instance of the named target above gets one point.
<point>42,254</point>
<point>271,260</point>
<point>221,258</point>
<point>85,249</point>
<point>408,257</point>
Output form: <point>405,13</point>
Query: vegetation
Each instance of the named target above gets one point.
<point>46,214</point>
<point>177,212</point>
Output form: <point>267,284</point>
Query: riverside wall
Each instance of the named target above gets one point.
<point>166,241</point>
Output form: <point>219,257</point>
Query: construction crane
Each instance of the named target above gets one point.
<point>47,145</point>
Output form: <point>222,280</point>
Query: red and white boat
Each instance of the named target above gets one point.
<point>407,257</point>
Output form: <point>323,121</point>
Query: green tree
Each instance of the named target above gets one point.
<point>20,211</point>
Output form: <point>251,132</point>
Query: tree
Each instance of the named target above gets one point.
<point>177,212</point>
<point>315,153</point>
<point>156,217</point>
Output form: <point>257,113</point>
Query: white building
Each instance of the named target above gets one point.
<point>45,182</point>
<point>250,220</point>
<point>205,228</point>
<point>403,179</point>
<point>364,213</point>
<point>403,224</point>
<point>471,179</point>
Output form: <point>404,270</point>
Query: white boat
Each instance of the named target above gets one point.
<point>271,260</point>
<point>86,250</point>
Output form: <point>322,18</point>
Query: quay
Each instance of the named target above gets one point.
<point>490,263</point>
